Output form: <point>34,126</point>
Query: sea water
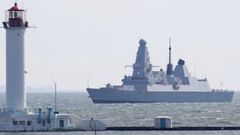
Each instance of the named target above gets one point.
<point>183,114</point>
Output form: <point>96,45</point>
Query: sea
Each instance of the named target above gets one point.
<point>184,114</point>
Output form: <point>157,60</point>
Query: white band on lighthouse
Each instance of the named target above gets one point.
<point>16,96</point>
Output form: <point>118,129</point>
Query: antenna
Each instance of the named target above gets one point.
<point>170,66</point>
<point>170,50</point>
<point>55,87</point>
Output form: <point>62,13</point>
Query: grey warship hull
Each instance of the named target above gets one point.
<point>145,85</point>
<point>118,96</point>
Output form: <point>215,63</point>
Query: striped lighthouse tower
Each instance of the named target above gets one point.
<point>15,26</point>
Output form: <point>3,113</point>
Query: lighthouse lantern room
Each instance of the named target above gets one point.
<point>15,17</point>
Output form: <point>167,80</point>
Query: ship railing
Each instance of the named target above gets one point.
<point>202,80</point>
<point>117,86</point>
<point>220,90</point>
<point>136,78</point>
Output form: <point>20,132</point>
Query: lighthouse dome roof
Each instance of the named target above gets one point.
<point>15,8</point>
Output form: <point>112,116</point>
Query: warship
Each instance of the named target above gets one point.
<point>175,85</point>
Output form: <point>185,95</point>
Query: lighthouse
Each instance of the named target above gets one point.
<point>15,26</point>
<point>16,117</point>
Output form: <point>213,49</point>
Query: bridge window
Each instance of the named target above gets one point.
<point>61,123</point>
<point>44,123</point>
<point>21,122</point>
<point>15,122</point>
<point>29,123</point>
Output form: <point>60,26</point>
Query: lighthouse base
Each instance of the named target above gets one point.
<point>30,121</point>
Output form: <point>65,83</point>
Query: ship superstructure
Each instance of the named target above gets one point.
<point>146,85</point>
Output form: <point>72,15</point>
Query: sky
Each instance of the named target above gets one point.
<point>81,43</point>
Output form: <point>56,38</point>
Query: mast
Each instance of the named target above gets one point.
<point>55,88</point>
<point>170,51</point>
<point>170,66</point>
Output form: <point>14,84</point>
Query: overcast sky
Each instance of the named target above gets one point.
<point>80,39</point>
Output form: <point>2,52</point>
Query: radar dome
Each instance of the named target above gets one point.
<point>181,62</point>
<point>142,42</point>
